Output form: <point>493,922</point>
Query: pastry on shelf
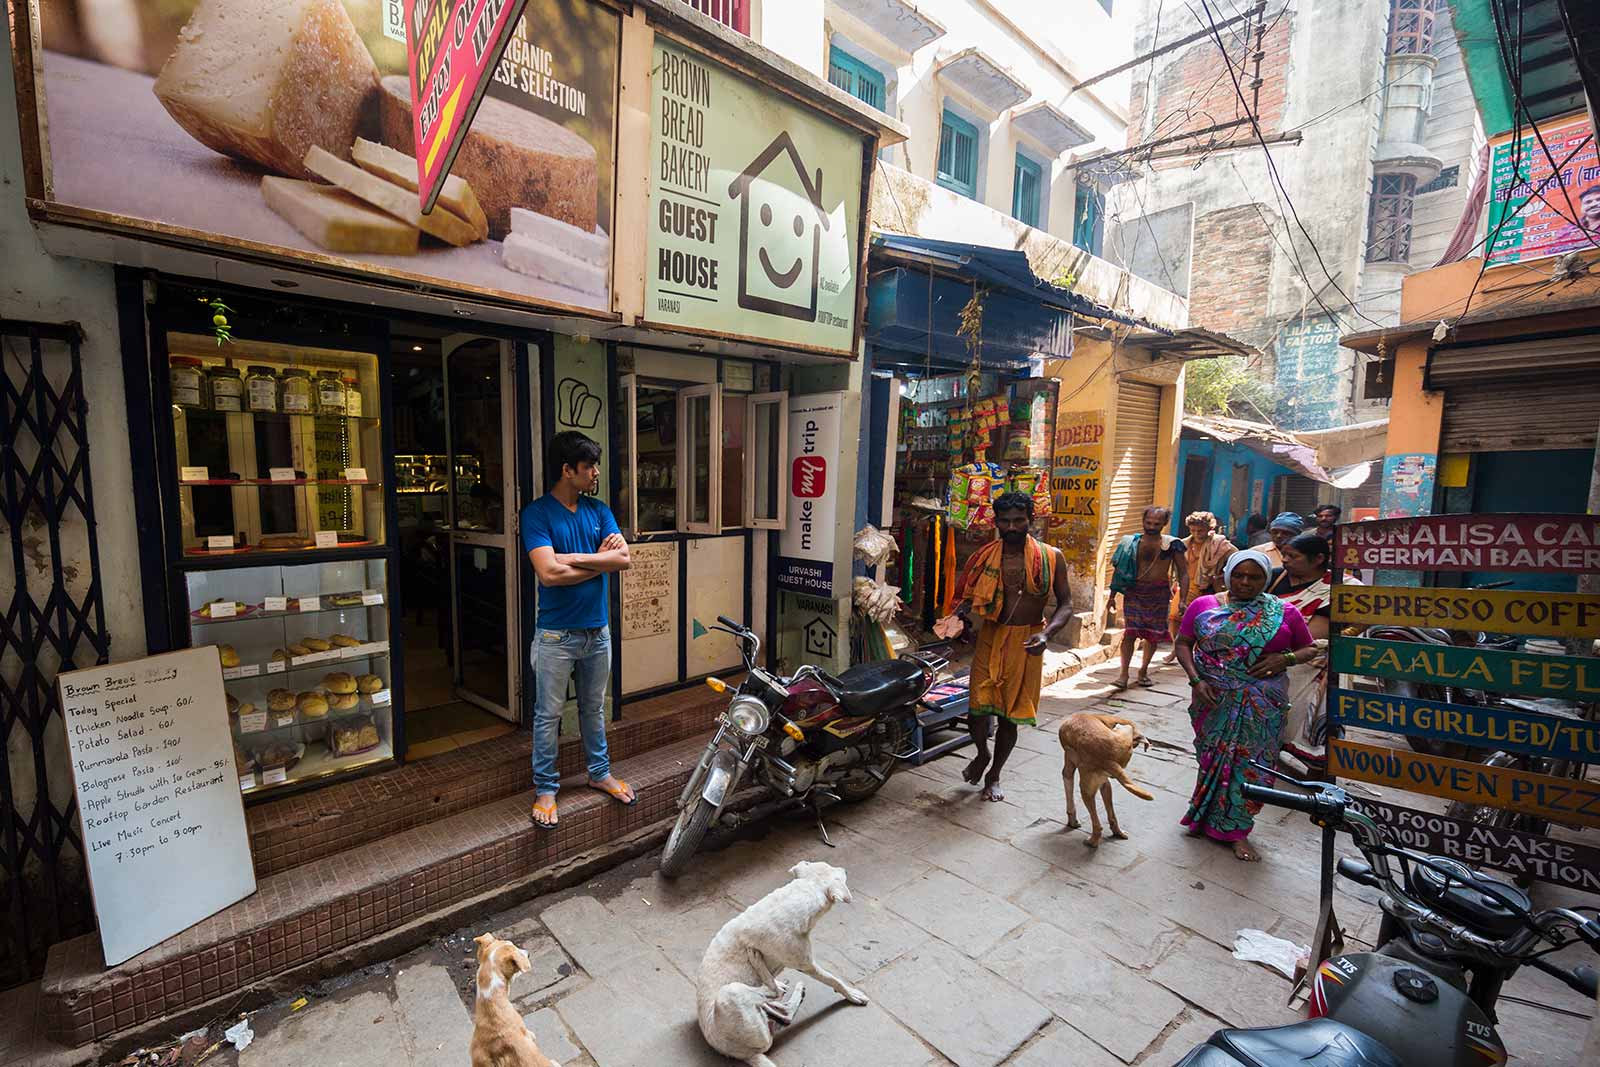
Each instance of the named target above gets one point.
<point>233,704</point>
<point>281,700</point>
<point>298,649</point>
<point>344,641</point>
<point>242,711</point>
<point>283,754</point>
<point>280,655</point>
<point>312,704</point>
<point>228,655</point>
<point>344,701</point>
<point>351,736</point>
<point>345,600</point>
<point>243,760</point>
<point>369,683</point>
<point>285,541</point>
<point>208,610</point>
<point>315,644</point>
<point>339,682</point>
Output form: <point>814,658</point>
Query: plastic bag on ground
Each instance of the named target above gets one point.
<point>1258,946</point>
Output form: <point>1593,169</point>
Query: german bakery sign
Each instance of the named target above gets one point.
<point>755,225</point>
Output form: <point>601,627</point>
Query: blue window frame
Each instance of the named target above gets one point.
<point>958,155</point>
<point>1026,184</point>
<point>860,80</point>
<point>1088,218</point>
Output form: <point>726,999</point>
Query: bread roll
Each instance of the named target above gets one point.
<point>313,705</point>
<point>369,683</point>
<point>315,644</point>
<point>229,657</point>
<point>280,700</point>
<point>344,701</point>
<point>339,682</point>
<point>344,641</point>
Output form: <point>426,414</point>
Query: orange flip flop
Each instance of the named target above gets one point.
<point>617,793</point>
<point>544,805</point>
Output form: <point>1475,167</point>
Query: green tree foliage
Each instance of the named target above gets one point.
<point>1228,386</point>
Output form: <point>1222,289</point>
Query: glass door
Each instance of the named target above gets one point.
<point>482,505</point>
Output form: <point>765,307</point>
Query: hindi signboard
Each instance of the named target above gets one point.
<point>1075,485</point>
<point>754,224</point>
<point>1541,187</point>
<point>1498,727</point>
<point>1564,863</point>
<point>1509,611</point>
<point>153,768</point>
<point>1490,670</point>
<point>1549,544</point>
<point>1563,800</point>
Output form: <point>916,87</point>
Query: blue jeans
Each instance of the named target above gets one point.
<point>554,656</point>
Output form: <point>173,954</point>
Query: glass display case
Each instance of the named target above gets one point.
<point>278,447</point>
<point>306,665</point>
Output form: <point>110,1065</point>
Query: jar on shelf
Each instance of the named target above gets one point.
<point>295,396</point>
<point>330,393</point>
<point>188,382</point>
<point>261,389</point>
<point>352,396</point>
<point>227,388</point>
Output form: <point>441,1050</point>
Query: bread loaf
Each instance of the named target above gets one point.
<point>265,82</point>
<point>333,219</point>
<point>511,157</point>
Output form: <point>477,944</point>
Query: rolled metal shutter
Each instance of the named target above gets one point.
<point>1133,460</point>
<point>1303,494</point>
<point>1519,416</point>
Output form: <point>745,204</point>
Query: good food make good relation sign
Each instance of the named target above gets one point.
<point>152,764</point>
<point>754,213</point>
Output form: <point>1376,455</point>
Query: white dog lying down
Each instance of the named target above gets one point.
<point>742,1003</point>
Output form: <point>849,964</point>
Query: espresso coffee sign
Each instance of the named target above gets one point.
<point>152,764</point>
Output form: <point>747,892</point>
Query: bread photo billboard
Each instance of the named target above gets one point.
<point>287,128</point>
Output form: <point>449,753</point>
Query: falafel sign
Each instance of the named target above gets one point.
<point>1551,544</point>
<point>754,210</point>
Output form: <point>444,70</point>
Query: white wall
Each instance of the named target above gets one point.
<point>36,286</point>
<point>793,29</point>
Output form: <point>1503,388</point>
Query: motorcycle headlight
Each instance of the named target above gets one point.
<point>748,715</point>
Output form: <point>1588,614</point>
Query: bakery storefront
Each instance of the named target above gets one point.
<point>337,403</point>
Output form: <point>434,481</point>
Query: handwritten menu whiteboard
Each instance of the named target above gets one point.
<point>163,822</point>
<point>648,591</point>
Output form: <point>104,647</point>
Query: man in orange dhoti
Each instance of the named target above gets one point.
<point>1005,585</point>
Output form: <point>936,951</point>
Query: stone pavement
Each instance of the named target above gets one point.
<point>985,934</point>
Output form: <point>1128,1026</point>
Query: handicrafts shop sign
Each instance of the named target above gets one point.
<point>1532,855</point>
<point>1551,544</point>
<point>1486,727</point>
<point>1501,610</point>
<point>1491,670</point>
<point>1563,800</point>
<point>1075,485</point>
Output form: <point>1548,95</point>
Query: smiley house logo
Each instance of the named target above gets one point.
<point>780,250</point>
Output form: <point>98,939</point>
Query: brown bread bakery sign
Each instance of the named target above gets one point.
<point>294,130</point>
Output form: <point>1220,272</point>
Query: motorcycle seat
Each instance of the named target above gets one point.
<point>868,688</point>
<point>1313,1043</point>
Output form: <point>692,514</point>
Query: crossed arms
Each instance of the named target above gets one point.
<point>571,568</point>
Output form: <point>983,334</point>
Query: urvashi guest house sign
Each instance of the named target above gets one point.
<point>754,212</point>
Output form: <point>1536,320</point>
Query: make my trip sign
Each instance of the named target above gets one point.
<point>452,50</point>
<point>1563,544</point>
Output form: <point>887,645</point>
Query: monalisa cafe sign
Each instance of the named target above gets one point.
<point>1548,543</point>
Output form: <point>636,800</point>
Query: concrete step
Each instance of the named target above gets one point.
<point>308,917</point>
<point>303,828</point>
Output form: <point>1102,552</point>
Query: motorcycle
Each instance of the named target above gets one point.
<point>1449,940</point>
<point>802,739</point>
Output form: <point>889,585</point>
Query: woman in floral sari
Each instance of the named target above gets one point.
<point>1235,654</point>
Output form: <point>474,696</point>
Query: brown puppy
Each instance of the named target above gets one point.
<point>1098,751</point>
<point>499,1038</point>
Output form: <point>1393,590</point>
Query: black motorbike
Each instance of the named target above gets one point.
<point>1449,940</point>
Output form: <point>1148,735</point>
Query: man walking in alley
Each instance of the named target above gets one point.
<point>1143,568</point>
<point>1205,551</point>
<point>1005,585</point>
<point>1284,527</point>
<point>1327,516</point>
<point>573,542</point>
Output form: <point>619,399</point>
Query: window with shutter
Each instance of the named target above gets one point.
<point>958,155</point>
<point>861,80</point>
<point>1088,212</point>
<point>1027,179</point>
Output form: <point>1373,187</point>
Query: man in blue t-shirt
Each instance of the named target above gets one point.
<point>573,542</point>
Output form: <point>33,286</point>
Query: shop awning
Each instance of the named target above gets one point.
<point>1280,446</point>
<point>917,288</point>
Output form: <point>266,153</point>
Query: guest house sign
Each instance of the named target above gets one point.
<point>755,209</point>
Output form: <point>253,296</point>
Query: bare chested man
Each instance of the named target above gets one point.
<point>1005,585</point>
<point>1143,568</point>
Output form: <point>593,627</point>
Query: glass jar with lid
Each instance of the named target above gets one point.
<point>295,396</point>
<point>188,382</point>
<point>227,388</point>
<point>352,396</point>
<point>330,393</point>
<point>261,389</point>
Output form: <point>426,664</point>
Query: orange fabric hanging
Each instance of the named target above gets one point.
<point>949,601</point>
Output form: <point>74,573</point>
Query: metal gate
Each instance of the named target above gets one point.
<point>54,621</point>
<point>1516,416</point>
<point>1133,460</point>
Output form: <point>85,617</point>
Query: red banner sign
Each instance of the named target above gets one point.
<point>452,50</point>
<point>1567,544</point>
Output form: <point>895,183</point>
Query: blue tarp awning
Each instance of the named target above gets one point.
<point>917,287</point>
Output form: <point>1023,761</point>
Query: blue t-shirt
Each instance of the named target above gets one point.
<point>547,521</point>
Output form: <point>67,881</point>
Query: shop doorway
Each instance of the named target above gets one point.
<point>456,493</point>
